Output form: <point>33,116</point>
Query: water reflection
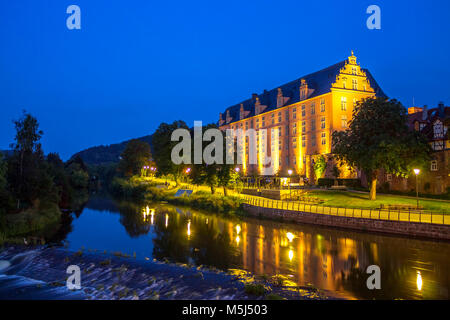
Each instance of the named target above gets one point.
<point>329,259</point>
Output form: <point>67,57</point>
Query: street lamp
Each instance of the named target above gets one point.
<point>416,172</point>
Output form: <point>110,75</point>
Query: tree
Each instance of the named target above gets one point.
<point>136,155</point>
<point>320,166</point>
<point>28,173</point>
<point>3,171</point>
<point>162,146</point>
<point>378,137</point>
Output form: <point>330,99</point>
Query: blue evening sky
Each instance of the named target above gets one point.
<point>137,63</point>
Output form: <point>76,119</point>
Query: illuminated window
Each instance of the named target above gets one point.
<point>344,103</point>
<point>324,138</point>
<point>344,121</point>
<point>434,165</point>
<point>322,105</point>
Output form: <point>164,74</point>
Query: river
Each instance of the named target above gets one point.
<point>329,259</point>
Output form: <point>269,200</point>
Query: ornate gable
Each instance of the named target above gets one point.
<point>352,77</point>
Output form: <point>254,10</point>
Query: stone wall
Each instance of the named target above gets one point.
<point>425,230</point>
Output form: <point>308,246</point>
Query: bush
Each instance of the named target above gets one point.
<point>255,289</point>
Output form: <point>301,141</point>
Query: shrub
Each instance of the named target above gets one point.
<point>255,289</point>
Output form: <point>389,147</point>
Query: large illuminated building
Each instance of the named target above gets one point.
<point>300,117</point>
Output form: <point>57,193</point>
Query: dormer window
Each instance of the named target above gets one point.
<point>303,89</point>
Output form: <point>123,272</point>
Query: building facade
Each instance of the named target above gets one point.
<point>300,117</point>
<point>435,178</point>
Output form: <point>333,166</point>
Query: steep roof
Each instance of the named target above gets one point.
<point>321,81</point>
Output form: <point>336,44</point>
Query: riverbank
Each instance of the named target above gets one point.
<point>148,190</point>
<point>40,273</point>
<point>14,226</point>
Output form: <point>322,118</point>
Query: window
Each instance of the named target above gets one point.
<point>438,130</point>
<point>355,84</point>
<point>322,123</point>
<point>322,105</point>
<point>313,125</point>
<point>302,94</point>
<point>344,83</point>
<point>313,108</point>
<point>354,71</point>
<point>294,143</point>
<point>303,126</point>
<point>438,145</point>
<point>434,165</point>
<point>287,115</point>
<point>294,129</point>
<point>303,110</point>
<point>389,177</point>
<point>344,103</point>
<point>279,117</point>
<point>324,138</point>
<point>303,141</point>
<point>313,141</point>
<point>344,121</point>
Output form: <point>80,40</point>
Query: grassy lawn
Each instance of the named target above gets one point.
<point>361,200</point>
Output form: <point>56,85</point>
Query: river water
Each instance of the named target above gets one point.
<point>329,259</point>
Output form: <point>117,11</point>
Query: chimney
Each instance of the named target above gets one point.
<point>425,113</point>
<point>441,109</point>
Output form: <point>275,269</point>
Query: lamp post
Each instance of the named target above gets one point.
<point>416,172</point>
<point>289,183</point>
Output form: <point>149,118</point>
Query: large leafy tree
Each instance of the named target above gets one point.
<point>162,146</point>
<point>378,137</point>
<point>136,155</point>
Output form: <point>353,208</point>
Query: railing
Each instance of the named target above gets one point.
<point>378,214</point>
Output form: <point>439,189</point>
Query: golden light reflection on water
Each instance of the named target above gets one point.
<point>419,281</point>
<point>291,255</point>
<point>189,229</point>
<point>332,259</point>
